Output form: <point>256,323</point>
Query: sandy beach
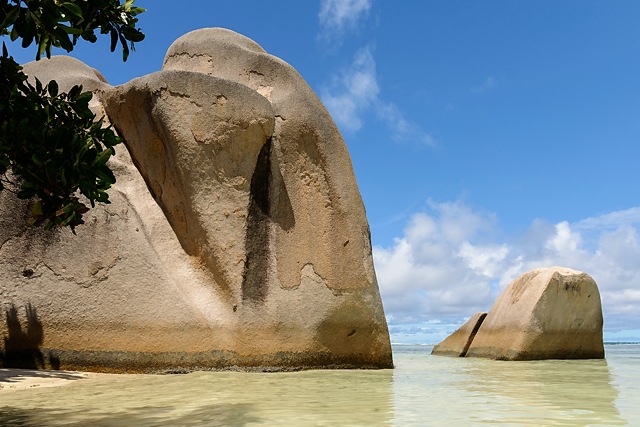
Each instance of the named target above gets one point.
<point>21,379</point>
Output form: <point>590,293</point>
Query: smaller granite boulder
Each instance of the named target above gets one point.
<point>458,343</point>
<point>551,313</point>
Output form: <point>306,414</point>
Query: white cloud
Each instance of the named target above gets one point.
<point>611,220</point>
<point>445,266</point>
<point>403,130</point>
<point>425,275</point>
<point>354,92</point>
<point>488,84</point>
<point>338,16</point>
<point>484,260</point>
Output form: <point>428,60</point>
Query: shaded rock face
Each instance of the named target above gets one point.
<point>457,344</point>
<point>236,236</point>
<point>552,313</point>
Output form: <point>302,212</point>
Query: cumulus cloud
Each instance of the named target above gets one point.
<point>354,92</point>
<point>338,16</point>
<point>446,266</point>
<point>426,273</point>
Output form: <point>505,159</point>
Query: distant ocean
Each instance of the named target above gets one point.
<point>423,390</point>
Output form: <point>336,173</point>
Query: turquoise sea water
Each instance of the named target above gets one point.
<point>423,390</point>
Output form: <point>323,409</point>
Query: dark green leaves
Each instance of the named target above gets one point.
<point>72,9</point>
<point>50,23</point>
<point>53,88</point>
<point>52,148</point>
<point>10,18</point>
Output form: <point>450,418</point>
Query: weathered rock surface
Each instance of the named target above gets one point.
<point>458,343</point>
<point>238,239</point>
<point>312,182</point>
<point>552,313</point>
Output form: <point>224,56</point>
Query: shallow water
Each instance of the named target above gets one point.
<point>423,390</point>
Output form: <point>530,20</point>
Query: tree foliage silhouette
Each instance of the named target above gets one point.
<point>52,146</point>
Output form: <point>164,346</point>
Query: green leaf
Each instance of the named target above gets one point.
<point>103,157</point>
<point>70,30</point>
<point>137,10</point>
<point>125,48</point>
<point>37,208</point>
<point>133,34</point>
<point>27,39</point>
<point>53,88</point>
<point>68,220</point>
<point>37,162</point>
<point>84,97</point>
<point>62,39</point>
<point>89,36</point>
<point>14,34</point>
<point>114,39</point>
<point>10,18</point>
<point>42,46</point>
<point>73,9</point>
<point>74,92</point>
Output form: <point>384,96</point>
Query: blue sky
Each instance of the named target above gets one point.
<point>488,138</point>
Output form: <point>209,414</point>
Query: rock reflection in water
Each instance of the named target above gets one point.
<point>539,392</point>
<point>452,391</point>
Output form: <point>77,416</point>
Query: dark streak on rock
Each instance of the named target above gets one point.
<point>473,334</point>
<point>254,278</point>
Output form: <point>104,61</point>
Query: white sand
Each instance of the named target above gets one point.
<point>20,379</point>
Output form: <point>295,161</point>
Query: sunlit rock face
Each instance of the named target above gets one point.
<point>236,236</point>
<point>551,313</point>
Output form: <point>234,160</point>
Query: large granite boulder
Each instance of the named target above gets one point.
<point>236,236</point>
<point>551,313</point>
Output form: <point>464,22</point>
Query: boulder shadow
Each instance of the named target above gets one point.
<point>219,414</point>
<point>22,344</point>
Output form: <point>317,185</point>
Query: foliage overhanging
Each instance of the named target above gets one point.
<point>51,145</point>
